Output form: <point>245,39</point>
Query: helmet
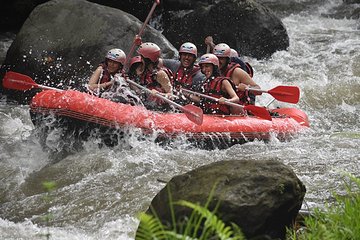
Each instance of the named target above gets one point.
<point>116,55</point>
<point>222,50</point>
<point>233,53</point>
<point>149,50</point>
<point>188,47</point>
<point>209,58</point>
<point>135,59</point>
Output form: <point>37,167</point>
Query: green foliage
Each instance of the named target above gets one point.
<point>150,228</point>
<point>49,186</point>
<point>339,221</point>
<point>202,224</point>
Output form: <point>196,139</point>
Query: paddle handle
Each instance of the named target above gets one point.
<point>256,89</point>
<point>142,29</point>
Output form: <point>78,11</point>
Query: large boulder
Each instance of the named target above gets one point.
<point>263,197</point>
<point>62,42</point>
<point>250,28</point>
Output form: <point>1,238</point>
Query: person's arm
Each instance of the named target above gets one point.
<point>164,81</point>
<point>94,79</point>
<point>243,80</point>
<point>227,87</point>
<point>209,41</point>
<point>192,97</point>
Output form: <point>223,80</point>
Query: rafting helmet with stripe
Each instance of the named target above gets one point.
<point>188,47</point>
<point>116,55</point>
<point>209,58</point>
<point>222,50</point>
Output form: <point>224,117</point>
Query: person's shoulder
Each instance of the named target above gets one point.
<point>173,64</point>
<point>100,67</point>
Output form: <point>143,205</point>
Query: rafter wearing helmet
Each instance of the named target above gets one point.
<point>233,70</point>
<point>216,86</point>
<point>103,77</point>
<point>151,76</point>
<point>186,74</point>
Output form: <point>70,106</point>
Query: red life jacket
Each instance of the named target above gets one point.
<point>148,79</point>
<point>230,69</point>
<point>243,95</point>
<point>184,77</point>
<point>249,69</point>
<point>105,75</point>
<point>212,87</point>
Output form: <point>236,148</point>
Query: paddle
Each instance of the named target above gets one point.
<point>290,94</point>
<point>257,111</point>
<point>18,81</point>
<point>193,113</point>
<point>128,57</point>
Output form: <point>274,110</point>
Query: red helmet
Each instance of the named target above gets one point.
<point>209,58</point>
<point>149,50</point>
<point>116,55</point>
<point>188,47</point>
<point>222,50</point>
<point>135,59</point>
<point>233,53</point>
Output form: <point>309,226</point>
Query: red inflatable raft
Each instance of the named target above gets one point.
<point>83,112</point>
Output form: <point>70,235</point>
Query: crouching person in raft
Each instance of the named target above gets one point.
<point>107,81</point>
<point>216,86</point>
<point>103,77</point>
<point>157,79</point>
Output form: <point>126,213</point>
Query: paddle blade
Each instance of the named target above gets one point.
<point>18,81</point>
<point>290,94</point>
<point>260,112</point>
<point>193,113</point>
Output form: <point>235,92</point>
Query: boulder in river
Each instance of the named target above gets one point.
<point>262,197</point>
<point>63,41</point>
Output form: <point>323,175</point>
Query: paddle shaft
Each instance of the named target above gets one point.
<point>34,85</point>
<point>142,29</point>
<point>213,98</point>
<point>158,95</point>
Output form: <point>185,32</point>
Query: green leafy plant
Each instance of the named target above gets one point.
<point>49,186</point>
<point>200,225</point>
<point>339,220</point>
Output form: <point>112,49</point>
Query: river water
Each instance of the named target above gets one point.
<point>100,190</point>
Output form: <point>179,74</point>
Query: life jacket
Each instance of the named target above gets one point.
<point>212,87</point>
<point>183,77</point>
<point>148,80</point>
<point>243,65</point>
<point>105,75</point>
<point>245,97</point>
<point>249,69</point>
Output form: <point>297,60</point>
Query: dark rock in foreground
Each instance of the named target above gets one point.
<point>263,197</point>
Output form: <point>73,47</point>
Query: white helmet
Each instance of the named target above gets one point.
<point>233,53</point>
<point>116,55</point>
